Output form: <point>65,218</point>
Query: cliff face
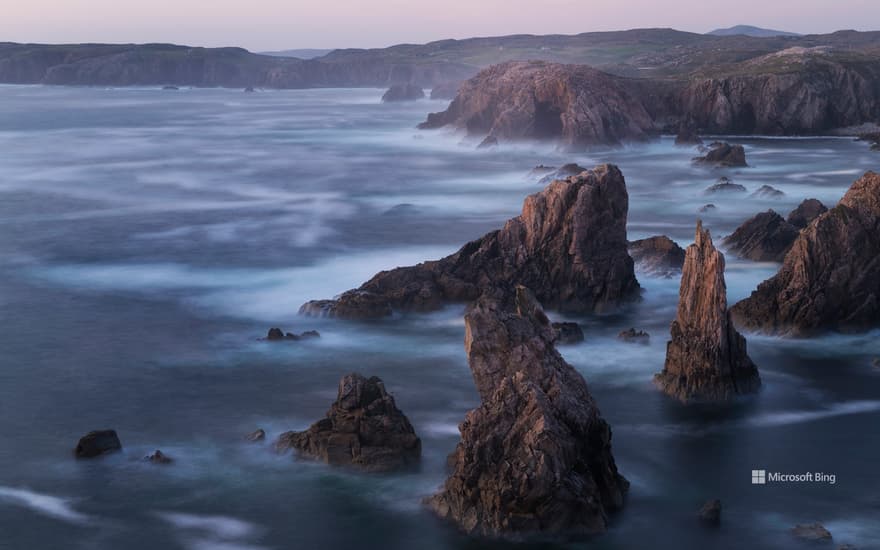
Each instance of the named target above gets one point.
<point>573,104</point>
<point>795,91</point>
<point>830,279</point>
<point>535,456</point>
<point>569,245</point>
<point>706,357</point>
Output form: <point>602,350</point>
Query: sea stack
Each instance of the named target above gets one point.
<point>706,358</point>
<point>363,429</point>
<point>535,456</point>
<point>569,246</point>
<point>830,279</point>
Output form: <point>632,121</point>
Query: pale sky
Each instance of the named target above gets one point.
<point>280,24</point>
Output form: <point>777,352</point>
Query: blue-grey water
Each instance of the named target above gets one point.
<point>149,238</point>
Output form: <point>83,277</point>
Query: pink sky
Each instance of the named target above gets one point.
<point>280,24</point>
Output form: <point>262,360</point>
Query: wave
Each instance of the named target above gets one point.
<point>797,417</point>
<point>47,505</point>
<point>205,532</point>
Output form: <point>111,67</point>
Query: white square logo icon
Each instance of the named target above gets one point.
<point>759,477</point>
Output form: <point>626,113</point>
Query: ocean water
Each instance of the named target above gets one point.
<point>149,238</point>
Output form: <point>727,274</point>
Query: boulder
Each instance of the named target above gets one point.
<point>767,192</point>
<point>276,334</point>
<point>256,436</point>
<point>659,255</point>
<point>806,212</point>
<point>766,237</point>
<point>724,185</point>
<point>568,333</point>
<point>568,245</point>
<point>723,155</point>
<point>535,456</point>
<point>812,532</point>
<point>634,336</point>
<point>363,429</point>
<point>158,457</point>
<point>97,443</point>
<point>249,90</point>
<point>830,279</point>
<point>708,208</point>
<point>574,105</point>
<point>710,513</point>
<point>706,358</point>
<point>563,172</point>
<point>403,92</point>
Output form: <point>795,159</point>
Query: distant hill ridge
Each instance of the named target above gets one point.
<point>749,30</point>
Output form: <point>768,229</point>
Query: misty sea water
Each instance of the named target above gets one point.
<point>149,238</point>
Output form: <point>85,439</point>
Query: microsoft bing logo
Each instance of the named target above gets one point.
<point>759,477</point>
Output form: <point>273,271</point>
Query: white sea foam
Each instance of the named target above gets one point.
<point>221,527</point>
<point>797,417</point>
<point>47,505</point>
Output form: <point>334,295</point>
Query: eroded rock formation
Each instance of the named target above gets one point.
<point>723,155</point>
<point>363,429</point>
<point>568,245</point>
<point>402,92</point>
<point>805,213</point>
<point>659,255</point>
<point>767,192</point>
<point>766,237</point>
<point>830,279</point>
<point>706,357</point>
<point>535,456</point>
<point>575,105</point>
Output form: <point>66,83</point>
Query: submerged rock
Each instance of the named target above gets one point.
<point>710,513</point>
<point>766,237</point>
<point>813,532</point>
<point>97,443</point>
<point>276,334</point>
<point>706,358</point>
<point>635,336</point>
<point>158,457</point>
<point>535,456</point>
<point>723,155</point>
<point>561,173</point>
<point>575,105</point>
<point>568,245</point>
<point>256,436</point>
<point>708,208</point>
<point>659,255</point>
<point>768,192</point>
<point>249,90</point>
<point>724,185</point>
<point>830,279</point>
<point>363,429</point>
<point>403,92</point>
<point>568,333</point>
<point>806,212</point>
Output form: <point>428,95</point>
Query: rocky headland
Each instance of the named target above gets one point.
<point>535,456</point>
<point>830,278</point>
<point>568,245</point>
<point>706,358</point>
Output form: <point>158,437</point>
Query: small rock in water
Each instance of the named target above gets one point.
<point>814,532</point>
<point>256,436</point>
<point>635,336</point>
<point>876,363</point>
<point>723,155</point>
<point>158,458</point>
<point>658,255</point>
<point>724,185</point>
<point>710,513</point>
<point>403,92</point>
<point>708,208</point>
<point>170,88</point>
<point>249,90</point>
<point>276,334</point>
<point>97,443</point>
<point>768,192</point>
<point>563,172</point>
<point>568,333</point>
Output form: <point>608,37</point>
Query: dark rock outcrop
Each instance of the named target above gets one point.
<point>276,334</point>
<point>535,456</point>
<point>873,138</point>
<point>363,429</point>
<point>805,213</point>
<point>724,185</point>
<point>574,105</point>
<point>710,513</point>
<point>706,358</point>
<point>706,208</point>
<point>635,336</point>
<point>568,245</point>
<point>97,443</point>
<point>659,255</point>
<point>256,436</point>
<point>568,333</point>
<point>158,457</point>
<point>766,237</point>
<point>768,192</point>
<point>830,279</point>
<point>812,532</point>
<point>403,92</point>
<point>723,155</point>
<point>561,173</point>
